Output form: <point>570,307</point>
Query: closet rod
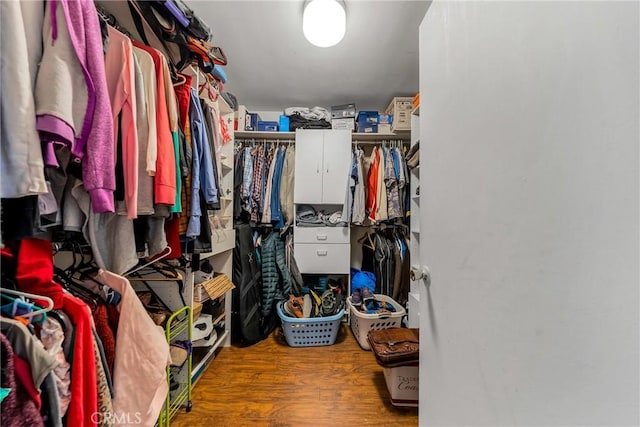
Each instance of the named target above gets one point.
<point>261,140</point>
<point>386,141</point>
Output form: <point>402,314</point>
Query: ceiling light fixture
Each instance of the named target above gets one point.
<point>324,22</point>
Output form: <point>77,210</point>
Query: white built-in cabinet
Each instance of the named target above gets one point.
<point>323,159</point>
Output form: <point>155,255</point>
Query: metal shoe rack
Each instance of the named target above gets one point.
<point>178,324</point>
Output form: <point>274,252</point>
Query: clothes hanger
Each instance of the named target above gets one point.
<point>37,312</point>
<point>165,253</point>
<point>180,80</point>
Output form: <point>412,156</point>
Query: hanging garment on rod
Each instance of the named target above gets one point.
<point>359,211</point>
<point>165,172</point>
<point>23,165</point>
<point>286,185</point>
<point>120,74</point>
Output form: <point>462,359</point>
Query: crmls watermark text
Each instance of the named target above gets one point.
<point>127,418</point>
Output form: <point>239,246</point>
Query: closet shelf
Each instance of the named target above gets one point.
<point>360,137</point>
<point>222,241</point>
<point>199,368</point>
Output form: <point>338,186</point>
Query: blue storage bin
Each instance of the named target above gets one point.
<point>310,332</point>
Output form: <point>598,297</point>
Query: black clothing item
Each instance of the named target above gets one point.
<point>20,218</point>
<point>118,194</point>
<point>246,319</point>
<point>296,121</point>
<point>238,175</point>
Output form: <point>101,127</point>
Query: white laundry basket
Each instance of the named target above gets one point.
<point>361,323</point>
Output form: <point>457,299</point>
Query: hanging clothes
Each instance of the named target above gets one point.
<point>381,189</point>
<point>258,179</point>
<point>142,355</point>
<point>394,209</point>
<point>165,172</point>
<point>212,137</point>
<point>247,180</point>
<point>359,214</point>
<point>286,185</point>
<point>183,97</point>
<point>347,207</point>
<point>120,74</point>
<point>276,205</point>
<point>95,146</point>
<point>276,285</point>
<point>202,178</point>
<point>266,211</point>
<point>372,188</point>
<point>238,173</point>
<point>145,114</point>
<point>21,162</point>
<point>18,409</point>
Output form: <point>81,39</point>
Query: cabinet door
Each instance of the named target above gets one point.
<point>336,162</point>
<point>308,168</point>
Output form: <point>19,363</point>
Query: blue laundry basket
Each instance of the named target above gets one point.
<point>310,332</point>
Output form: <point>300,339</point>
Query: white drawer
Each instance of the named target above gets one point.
<point>319,258</point>
<point>321,235</point>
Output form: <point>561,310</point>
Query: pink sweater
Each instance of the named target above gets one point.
<point>95,145</point>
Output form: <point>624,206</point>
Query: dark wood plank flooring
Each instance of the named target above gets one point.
<point>272,384</point>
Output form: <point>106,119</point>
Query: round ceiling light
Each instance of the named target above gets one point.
<point>324,22</point>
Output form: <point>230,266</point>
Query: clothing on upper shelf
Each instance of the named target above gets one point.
<point>307,216</point>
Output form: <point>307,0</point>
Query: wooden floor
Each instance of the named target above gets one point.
<point>272,384</point>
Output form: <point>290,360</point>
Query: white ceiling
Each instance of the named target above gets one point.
<point>272,66</point>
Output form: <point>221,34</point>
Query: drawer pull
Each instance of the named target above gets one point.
<point>321,236</point>
<point>321,253</point>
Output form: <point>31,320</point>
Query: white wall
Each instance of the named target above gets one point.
<point>529,177</point>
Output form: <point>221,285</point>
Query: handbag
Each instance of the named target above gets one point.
<point>395,346</point>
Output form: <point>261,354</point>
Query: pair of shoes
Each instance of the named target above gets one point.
<point>356,298</point>
<point>332,302</point>
<point>156,311</point>
<point>366,293</point>
<point>293,306</point>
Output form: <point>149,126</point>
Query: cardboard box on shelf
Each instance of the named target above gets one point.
<point>343,111</point>
<point>348,124</point>
<point>268,126</point>
<point>384,128</point>
<point>368,122</point>
<point>400,108</point>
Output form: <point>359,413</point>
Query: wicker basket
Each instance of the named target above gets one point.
<point>362,323</point>
<point>309,332</point>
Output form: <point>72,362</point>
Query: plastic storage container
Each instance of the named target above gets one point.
<point>362,323</point>
<point>310,332</point>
